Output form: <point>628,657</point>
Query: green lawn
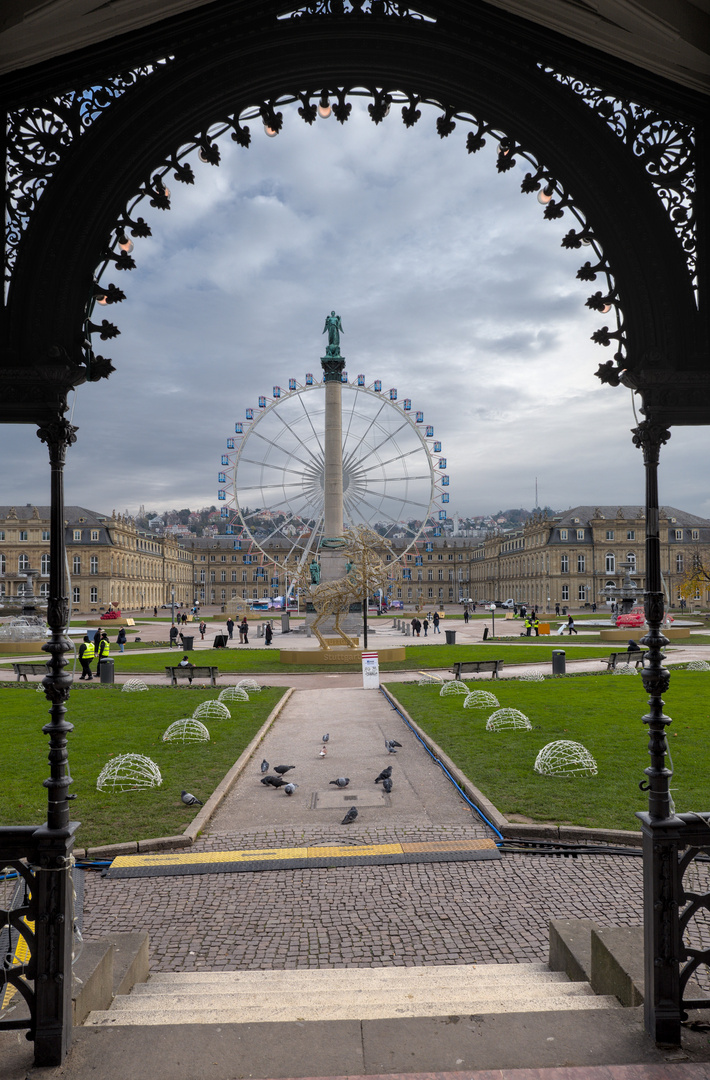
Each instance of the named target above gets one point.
<point>418,656</point>
<point>108,722</point>
<point>604,713</point>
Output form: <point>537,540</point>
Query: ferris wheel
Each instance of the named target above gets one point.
<point>272,476</point>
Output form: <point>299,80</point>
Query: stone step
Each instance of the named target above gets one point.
<point>184,997</point>
<point>305,979</point>
<point>167,1013</point>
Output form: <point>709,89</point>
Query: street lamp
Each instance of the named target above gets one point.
<point>493,616</point>
<point>172,605</point>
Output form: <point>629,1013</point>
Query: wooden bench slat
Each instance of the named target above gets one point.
<point>195,671</point>
<point>494,666</point>
<point>23,670</point>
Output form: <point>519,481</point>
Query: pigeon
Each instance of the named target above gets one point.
<point>389,743</point>
<point>322,752</point>
<point>390,747</point>
<point>326,737</point>
<point>290,788</point>
<point>264,765</point>
<point>273,781</point>
<point>342,781</point>
<point>387,784</point>
<point>190,800</point>
<point>384,775</point>
<point>281,769</point>
<point>350,816</point>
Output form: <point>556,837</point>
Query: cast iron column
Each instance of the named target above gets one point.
<point>661,828</point>
<point>54,930</point>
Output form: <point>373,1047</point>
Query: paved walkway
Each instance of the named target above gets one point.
<point>425,913</point>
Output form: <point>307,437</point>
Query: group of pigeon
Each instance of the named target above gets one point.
<point>269,780</point>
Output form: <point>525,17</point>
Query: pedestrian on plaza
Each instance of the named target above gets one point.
<point>203,630</point>
<point>523,611</point>
<point>86,655</point>
<point>230,627</point>
<point>121,639</point>
<point>102,651</point>
<point>425,624</point>
<point>268,634</point>
<point>155,613</point>
<point>435,620</point>
<point>184,618</point>
<point>571,628</point>
<point>557,609</point>
<point>594,605</point>
<point>244,631</point>
<point>465,615</point>
<point>528,626</point>
<point>173,635</point>
<point>97,635</point>
<point>535,623</point>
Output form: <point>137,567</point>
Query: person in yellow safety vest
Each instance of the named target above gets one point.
<point>86,655</point>
<point>536,625</point>
<point>528,625</point>
<point>103,650</point>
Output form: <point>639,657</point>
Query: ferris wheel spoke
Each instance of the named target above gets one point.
<point>346,436</point>
<point>380,464</point>
<point>363,435</point>
<point>389,437</point>
<point>309,418</point>
<point>270,465</point>
<point>276,446</point>
<point>395,479</point>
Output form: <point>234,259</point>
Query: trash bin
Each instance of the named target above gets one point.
<point>450,637</point>
<point>285,623</point>
<point>558,662</point>
<point>564,610</point>
<point>188,642</point>
<point>106,671</point>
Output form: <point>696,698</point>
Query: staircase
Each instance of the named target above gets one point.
<point>249,997</point>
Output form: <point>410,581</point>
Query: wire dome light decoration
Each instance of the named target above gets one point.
<point>129,772</point>
<point>695,665</point>
<point>272,473</point>
<point>508,719</point>
<point>454,686</point>
<point>250,685</point>
<point>481,699</point>
<point>189,730</point>
<point>133,686</point>
<point>233,693</point>
<point>213,710</point>
<point>565,758</point>
<point>625,669</point>
<point>532,676</point>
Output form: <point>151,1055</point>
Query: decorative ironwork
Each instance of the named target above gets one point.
<point>664,147</point>
<point>17,945</point>
<point>374,8</point>
<point>555,200</point>
<point>39,136</point>
<point>694,918</point>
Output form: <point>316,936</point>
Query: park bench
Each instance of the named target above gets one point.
<point>195,671</point>
<point>23,670</point>
<point>494,666</point>
<point>628,657</point>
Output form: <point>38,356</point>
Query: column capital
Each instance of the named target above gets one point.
<point>650,436</point>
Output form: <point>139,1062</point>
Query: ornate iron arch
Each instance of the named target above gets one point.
<point>106,150</point>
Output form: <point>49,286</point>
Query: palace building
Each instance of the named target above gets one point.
<point>567,559</point>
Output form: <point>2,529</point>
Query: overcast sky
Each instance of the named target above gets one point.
<point>450,285</point>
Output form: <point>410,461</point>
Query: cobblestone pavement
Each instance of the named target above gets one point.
<point>402,915</point>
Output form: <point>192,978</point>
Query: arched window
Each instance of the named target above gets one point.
<point>23,563</point>
<point>610,563</point>
<point>44,562</point>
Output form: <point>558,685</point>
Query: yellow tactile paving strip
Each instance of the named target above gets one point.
<point>196,862</point>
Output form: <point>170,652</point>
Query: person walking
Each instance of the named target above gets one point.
<point>535,623</point>
<point>571,628</point>
<point>121,638</point>
<point>435,620</point>
<point>155,613</point>
<point>557,609</point>
<point>268,634</point>
<point>103,650</point>
<point>465,616</point>
<point>230,627</point>
<point>87,653</point>
<point>203,630</point>
<point>244,631</point>
<point>425,624</point>
<point>173,635</point>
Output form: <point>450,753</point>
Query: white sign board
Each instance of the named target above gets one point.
<point>370,671</point>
